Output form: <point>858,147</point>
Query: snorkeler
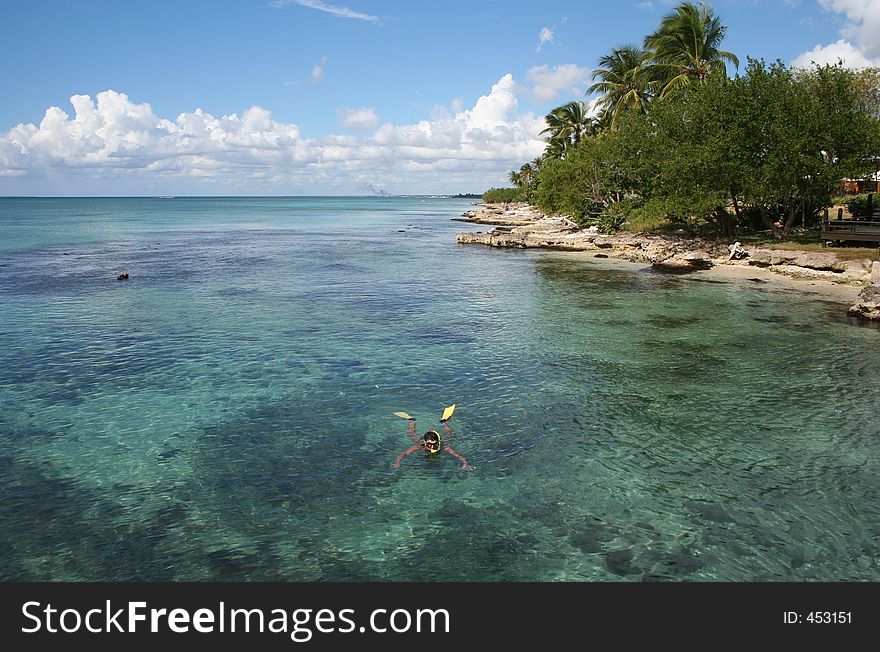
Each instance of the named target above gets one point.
<point>431,441</point>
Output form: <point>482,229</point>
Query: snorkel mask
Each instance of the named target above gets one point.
<point>432,445</point>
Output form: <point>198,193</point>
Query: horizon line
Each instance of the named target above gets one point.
<point>385,196</point>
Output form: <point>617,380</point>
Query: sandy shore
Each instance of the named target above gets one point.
<point>844,294</point>
<point>821,274</point>
<point>831,290</point>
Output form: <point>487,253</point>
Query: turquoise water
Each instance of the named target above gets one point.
<point>226,414</point>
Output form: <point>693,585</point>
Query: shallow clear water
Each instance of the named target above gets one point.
<point>227,412</point>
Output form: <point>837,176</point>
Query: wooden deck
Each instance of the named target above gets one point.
<point>857,230</point>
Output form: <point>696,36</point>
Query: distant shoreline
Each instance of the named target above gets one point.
<point>366,196</point>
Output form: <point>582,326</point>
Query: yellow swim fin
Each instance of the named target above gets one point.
<point>447,413</point>
<point>402,415</point>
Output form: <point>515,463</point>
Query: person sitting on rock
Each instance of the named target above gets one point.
<point>736,251</point>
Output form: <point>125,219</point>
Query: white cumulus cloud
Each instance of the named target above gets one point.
<point>548,83</point>
<point>841,50</point>
<point>358,119</point>
<point>863,24</point>
<point>110,139</point>
<point>859,46</point>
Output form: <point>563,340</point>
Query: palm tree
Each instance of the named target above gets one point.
<point>625,82</point>
<point>686,46</point>
<point>527,173</point>
<point>566,126</point>
<point>515,178</point>
<point>524,176</point>
<point>555,149</point>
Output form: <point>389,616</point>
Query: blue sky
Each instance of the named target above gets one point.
<point>342,97</point>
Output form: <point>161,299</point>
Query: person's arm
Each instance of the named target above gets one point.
<point>464,462</point>
<point>411,431</point>
<point>408,451</point>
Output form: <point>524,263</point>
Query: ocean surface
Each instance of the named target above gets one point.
<point>227,412</point>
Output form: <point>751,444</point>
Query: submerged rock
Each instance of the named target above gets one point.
<point>619,562</point>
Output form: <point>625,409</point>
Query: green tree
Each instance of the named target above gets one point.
<point>588,183</point>
<point>686,47</point>
<point>775,142</point>
<point>866,84</point>
<point>624,83</point>
<point>515,178</point>
<point>524,178</point>
<point>567,125</point>
<point>503,195</point>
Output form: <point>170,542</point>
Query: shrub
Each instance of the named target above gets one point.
<point>857,205</point>
<point>499,195</point>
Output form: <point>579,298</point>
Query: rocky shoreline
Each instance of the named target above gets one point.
<point>523,226</point>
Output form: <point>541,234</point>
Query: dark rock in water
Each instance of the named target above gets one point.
<point>710,281</point>
<point>653,577</point>
<point>757,280</point>
<point>168,454</point>
<point>585,541</point>
<point>667,321</point>
<point>122,277</point>
<point>666,565</point>
<point>504,547</point>
<point>710,512</point>
<point>401,230</point>
<point>683,563</point>
<point>171,515</point>
<point>776,319</point>
<point>601,256</point>
<point>232,564</point>
<point>589,537</point>
<point>619,562</point>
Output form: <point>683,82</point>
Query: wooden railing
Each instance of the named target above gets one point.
<point>867,230</point>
